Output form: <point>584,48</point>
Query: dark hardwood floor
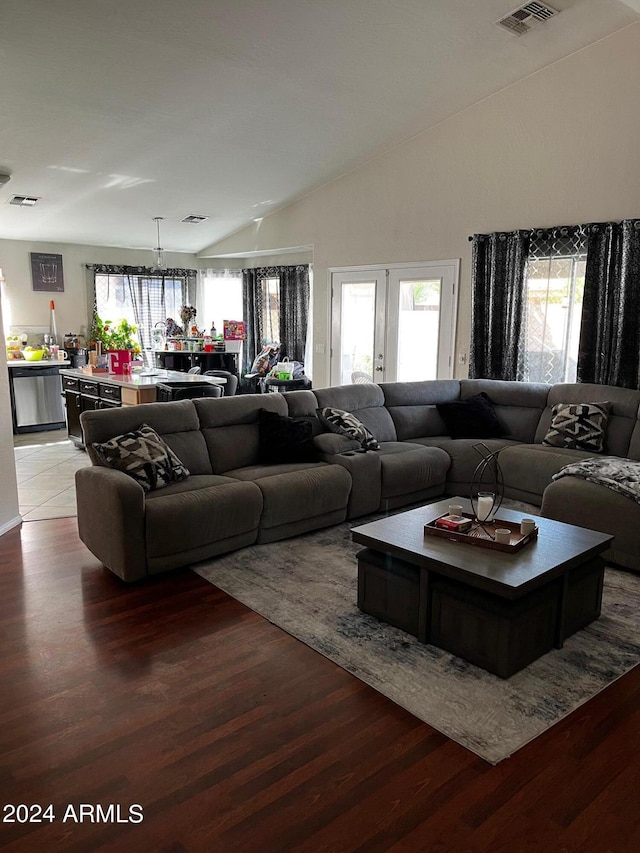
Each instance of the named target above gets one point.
<point>233,736</point>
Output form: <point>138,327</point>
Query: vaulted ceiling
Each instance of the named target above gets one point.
<point>115,113</point>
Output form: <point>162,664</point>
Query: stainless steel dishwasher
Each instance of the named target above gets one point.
<point>36,398</point>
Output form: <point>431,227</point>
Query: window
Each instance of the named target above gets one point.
<point>142,298</point>
<point>554,287</point>
<point>271,310</point>
<point>219,298</point>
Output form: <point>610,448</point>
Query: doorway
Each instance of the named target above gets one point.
<point>395,323</point>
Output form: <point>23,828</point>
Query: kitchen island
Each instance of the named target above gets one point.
<point>84,391</point>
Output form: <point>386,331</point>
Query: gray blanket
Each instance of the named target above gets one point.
<point>620,475</point>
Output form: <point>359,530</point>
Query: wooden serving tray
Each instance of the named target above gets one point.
<point>91,368</point>
<point>481,534</point>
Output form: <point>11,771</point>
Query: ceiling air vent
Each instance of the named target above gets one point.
<point>526,18</point>
<point>24,200</point>
<point>195,218</point>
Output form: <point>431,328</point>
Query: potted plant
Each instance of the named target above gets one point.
<point>117,339</point>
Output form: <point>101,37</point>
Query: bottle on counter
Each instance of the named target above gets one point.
<point>213,332</point>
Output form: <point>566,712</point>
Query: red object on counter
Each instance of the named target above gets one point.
<point>118,359</point>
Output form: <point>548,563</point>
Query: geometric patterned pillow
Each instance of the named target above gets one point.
<point>580,426</point>
<point>143,455</point>
<point>345,423</point>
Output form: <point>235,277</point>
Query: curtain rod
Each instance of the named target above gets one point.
<point>567,228</point>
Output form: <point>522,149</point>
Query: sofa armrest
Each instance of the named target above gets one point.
<point>366,478</point>
<point>111,510</point>
<point>328,443</point>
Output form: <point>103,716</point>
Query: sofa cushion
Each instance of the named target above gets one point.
<point>518,405</point>
<point>464,458</point>
<point>412,406</point>
<point>347,424</point>
<point>285,439</point>
<point>142,455</point>
<point>578,426</point>
<point>529,468</point>
<point>189,519</point>
<point>472,418</point>
<point>230,427</point>
<point>366,402</point>
<point>408,468</point>
<point>293,492</point>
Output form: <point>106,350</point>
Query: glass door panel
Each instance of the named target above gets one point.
<point>358,301</point>
<point>421,316</point>
<point>418,329</point>
<point>358,326</point>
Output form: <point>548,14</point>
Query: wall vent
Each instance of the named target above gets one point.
<point>24,200</point>
<point>527,17</point>
<point>194,218</point>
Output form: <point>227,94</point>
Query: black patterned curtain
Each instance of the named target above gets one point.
<point>498,270</point>
<point>294,310</point>
<point>609,351</point>
<point>290,301</point>
<point>252,315</point>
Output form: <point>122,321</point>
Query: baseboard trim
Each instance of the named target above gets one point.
<point>15,522</point>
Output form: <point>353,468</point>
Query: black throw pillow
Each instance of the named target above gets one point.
<point>472,418</point>
<point>283,439</point>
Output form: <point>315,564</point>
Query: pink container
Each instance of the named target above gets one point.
<point>118,358</point>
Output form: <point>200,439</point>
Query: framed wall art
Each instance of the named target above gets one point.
<point>46,272</point>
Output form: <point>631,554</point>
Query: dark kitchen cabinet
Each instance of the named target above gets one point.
<point>184,361</point>
<point>72,402</point>
<point>86,395</point>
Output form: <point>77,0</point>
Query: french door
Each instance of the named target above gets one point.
<point>393,324</point>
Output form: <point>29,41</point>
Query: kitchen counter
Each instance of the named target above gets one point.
<point>142,380</point>
<point>44,362</point>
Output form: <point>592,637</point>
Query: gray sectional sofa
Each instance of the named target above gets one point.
<point>232,499</point>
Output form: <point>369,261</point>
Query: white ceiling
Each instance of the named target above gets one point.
<point>116,112</point>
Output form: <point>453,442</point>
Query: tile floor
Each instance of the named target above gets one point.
<point>46,463</point>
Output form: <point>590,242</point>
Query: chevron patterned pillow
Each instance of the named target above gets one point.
<point>346,423</point>
<point>143,455</point>
<point>578,426</point>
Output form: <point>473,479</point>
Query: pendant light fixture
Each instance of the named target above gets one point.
<point>158,252</point>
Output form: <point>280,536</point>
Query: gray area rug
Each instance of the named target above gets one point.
<point>308,586</point>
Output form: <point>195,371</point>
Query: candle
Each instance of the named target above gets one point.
<point>485,505</point>
<point>503,535</point>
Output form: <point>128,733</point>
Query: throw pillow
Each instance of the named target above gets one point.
<point>578,426</point>
<point>472,418</point>
<point>143,455</point>
<point>282,439</point>
<point>346,423</point>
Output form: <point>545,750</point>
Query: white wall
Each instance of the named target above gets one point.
<point>9,515</point>
<point>73,313</point>
<point>559,147</point>
<point>30,308</point>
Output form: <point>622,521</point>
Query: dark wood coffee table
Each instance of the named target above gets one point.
<point>497,610</point>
